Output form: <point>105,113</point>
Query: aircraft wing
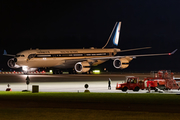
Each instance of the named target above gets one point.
<point>134,49</point>
<point>134,56</point>
<point>116,57</point>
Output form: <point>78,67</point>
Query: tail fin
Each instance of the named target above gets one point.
<point>114,37</point>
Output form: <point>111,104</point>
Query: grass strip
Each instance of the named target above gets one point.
<point>81,114</point>
<point>60,105</point>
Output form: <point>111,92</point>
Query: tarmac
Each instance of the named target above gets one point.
<point>72,82</point>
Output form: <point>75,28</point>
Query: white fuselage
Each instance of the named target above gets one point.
<point>61,58</point>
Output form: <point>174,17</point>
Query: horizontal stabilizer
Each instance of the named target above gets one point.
<point>5,53</point>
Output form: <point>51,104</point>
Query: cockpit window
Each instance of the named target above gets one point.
<point>31,56</point>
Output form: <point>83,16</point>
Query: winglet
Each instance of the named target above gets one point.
<point>5,53</point>
<point>173,52</point>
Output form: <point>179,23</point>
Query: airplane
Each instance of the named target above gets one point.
<point>79,59</point>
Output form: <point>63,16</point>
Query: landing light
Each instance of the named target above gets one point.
<point>50,71</point>
<point>96,71</point>
<point>25,68</point>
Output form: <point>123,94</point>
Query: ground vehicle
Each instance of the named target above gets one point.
<point>133,83</point>
<point>165,80</point>
<point>162,79</point>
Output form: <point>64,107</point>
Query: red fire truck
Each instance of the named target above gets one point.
<point>165,80</point>
<point>133,83</point>
<point>162,79</point>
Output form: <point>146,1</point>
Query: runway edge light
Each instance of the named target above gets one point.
<point>96,71</point>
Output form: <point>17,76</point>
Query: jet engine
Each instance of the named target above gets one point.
<point>12,63</point>
<point>82,67</point>
<point>121,63</point>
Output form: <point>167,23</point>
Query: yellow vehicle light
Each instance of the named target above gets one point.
<point>50,71</point>
<point>96,71</point>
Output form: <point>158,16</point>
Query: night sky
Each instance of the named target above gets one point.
<point>87,23</point>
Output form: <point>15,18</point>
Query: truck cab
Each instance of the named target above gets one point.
<point>132,83</point>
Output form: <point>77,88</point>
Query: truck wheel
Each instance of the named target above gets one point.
<point>136,89</point>
<point>156,90</point>
<point>166,88</point>
<point>124,89</point>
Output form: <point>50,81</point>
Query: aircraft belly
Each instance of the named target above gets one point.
<point>98,62</point>
<point>66,64</point>
<point>41,63</point>
<point>55,62</point>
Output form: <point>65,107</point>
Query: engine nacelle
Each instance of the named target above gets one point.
<point>121,63</point>
<point>12,63</point>
<point>82,67</point>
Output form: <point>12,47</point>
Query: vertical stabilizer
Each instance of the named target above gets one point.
<point>114,37</point>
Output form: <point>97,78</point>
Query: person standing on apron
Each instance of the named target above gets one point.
<point>109,84</point>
